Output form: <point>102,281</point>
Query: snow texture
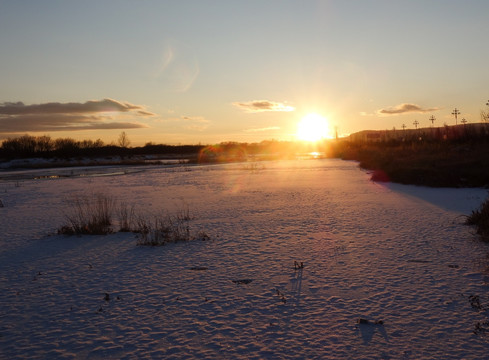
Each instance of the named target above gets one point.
<point>392,254</point>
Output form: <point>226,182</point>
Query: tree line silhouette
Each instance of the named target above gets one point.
<point>28,146</point>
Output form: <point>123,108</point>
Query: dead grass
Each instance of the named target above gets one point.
<point>435,164</point>
<point>93,215</point>
<point>89,215</point>
<point>160,230</point>
<point>480,218</point>
<point>126,216</point>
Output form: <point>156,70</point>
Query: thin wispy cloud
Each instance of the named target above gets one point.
<point>270,128</point>
<point>17,117</point>
<point>197,123</point>
<point>405,108</point>
<point>263,105</point>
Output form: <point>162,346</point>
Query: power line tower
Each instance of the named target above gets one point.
<point>456,112</point>
<point>432,119</point>
<point>416,123</point>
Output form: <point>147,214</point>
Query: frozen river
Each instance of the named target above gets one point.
<point>395,254</point>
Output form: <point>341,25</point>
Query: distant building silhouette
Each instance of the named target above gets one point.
<point>428,133</point>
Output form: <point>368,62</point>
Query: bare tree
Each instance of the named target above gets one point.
<point>485,114</point>
<point>123,140</point>
<point>44,143</point>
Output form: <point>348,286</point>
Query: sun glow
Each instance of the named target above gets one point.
<point>312,127</point>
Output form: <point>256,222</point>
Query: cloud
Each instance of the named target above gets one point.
<point>178,68</point>
<point>91,106</point>
<point>16,117</point>
<point>195,122</point>
<point>405,108</point>
<point>263,105</point>
<point>263,129</point>
<point>146,113</point>
<point>60,122</point>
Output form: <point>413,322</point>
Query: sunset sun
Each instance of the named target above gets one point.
<point>312,127</point>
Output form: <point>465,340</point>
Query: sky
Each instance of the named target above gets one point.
<point>210,71</point>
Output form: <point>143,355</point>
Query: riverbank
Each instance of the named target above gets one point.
<point>461,163</point>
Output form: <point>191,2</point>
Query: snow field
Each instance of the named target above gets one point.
<point>373,251</point>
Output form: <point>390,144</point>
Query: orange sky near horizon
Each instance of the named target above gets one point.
<point>213,71</point>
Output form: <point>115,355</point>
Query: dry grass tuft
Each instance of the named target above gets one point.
<point>89,215</point>
<point>93,216</point>
<point>126,216</point>
<point>480,218</point>
<point>162,230</point>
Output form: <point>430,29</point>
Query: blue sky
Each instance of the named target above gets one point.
<point>211,71</point>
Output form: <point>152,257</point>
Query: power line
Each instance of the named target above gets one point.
<point>456,112</point>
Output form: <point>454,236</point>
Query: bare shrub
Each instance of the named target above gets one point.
<point>146,230</point>
<point>184,213</point>
<point>66,230</point>
<point>202,235</point>
<point>126,215</point>
<point>180,229</point>
<point>161,230</point>
<point>89,215</point>
<point>480,218</point>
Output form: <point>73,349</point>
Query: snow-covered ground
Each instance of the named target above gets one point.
<point>379,252</point>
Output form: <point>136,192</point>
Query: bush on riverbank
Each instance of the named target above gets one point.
<point>437,164</point>
<point>480,218</point>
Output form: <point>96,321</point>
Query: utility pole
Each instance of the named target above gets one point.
<point>403,126</point>
<point>415,123</point>
<point>463,121</point>
<point>455,112</point>
<point>432,119</point>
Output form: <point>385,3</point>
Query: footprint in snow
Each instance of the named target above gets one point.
<point>243,281</point>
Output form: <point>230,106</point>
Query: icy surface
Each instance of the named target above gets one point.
<point>379,252</point>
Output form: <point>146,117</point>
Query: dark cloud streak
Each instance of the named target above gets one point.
<point>91,106</point>
<point>60,122</point>
<point>16,117</point>
<point>405,108</point>
<point>263,105</point>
